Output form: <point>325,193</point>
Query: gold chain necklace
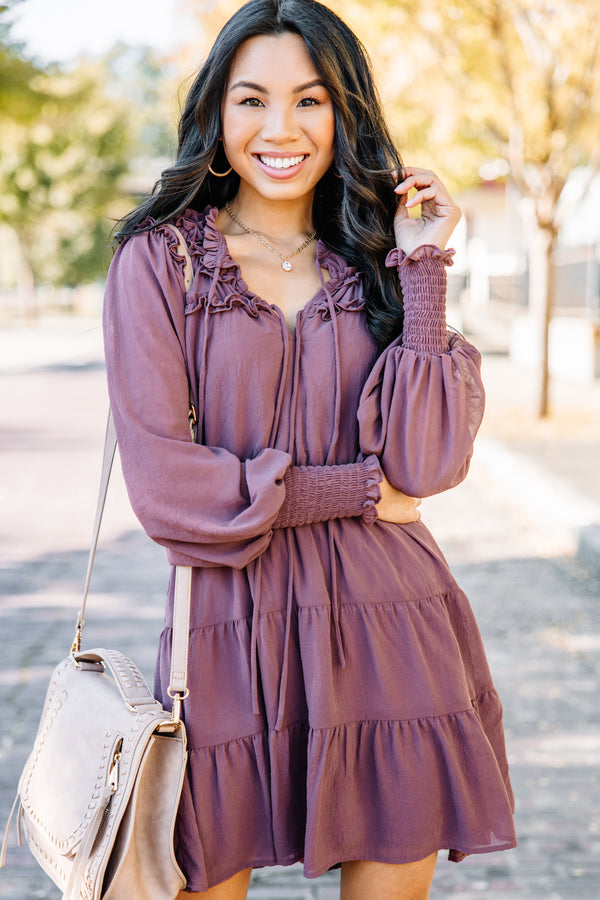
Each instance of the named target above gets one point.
<point>286,264</point>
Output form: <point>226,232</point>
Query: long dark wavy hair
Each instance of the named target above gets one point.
<point>353,214</point>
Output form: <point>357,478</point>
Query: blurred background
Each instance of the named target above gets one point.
<point>502,98</point>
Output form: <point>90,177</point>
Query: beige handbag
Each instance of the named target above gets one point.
<point>98,796</point>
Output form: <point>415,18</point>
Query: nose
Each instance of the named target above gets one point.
<point>280,124</point>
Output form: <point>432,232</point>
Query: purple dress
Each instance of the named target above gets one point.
<point>341,706</point>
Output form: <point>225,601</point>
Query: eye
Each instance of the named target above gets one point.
<point>309,101</point>
<point>251,101</point>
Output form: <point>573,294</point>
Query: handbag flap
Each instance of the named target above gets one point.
<point>66,776</point>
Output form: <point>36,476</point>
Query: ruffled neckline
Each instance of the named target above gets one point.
<point>209,245</point>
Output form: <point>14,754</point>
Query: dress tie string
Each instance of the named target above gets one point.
<point>335,599</point>
<point>202,379</point>
<point>331,525</point>
<point>288,631</point>
<point>289,602</point>
<point>282,382</point>
<point>255,580</point>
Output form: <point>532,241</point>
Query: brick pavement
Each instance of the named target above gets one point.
<point>538,612</point>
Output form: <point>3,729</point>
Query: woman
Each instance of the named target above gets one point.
<point>341,709</point>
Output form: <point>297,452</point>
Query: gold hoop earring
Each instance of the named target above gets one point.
<point>220,174</point>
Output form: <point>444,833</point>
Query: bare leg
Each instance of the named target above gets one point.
<point>381,881</point>
<point>234,888</point>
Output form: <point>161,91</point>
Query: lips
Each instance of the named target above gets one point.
<point>280,162</point>
<point>281,166</point>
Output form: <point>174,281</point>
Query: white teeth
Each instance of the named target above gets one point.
<point>280,162</point>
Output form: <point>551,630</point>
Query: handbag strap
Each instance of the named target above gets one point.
<point>178,689</point>
<point>110,446</point>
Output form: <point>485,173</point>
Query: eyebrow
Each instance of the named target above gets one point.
<point>252,86</point>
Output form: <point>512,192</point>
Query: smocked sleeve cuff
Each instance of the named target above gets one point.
<point>422,276</point>
<point>319,493</point>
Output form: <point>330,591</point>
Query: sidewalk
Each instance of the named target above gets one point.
<point>510,532</point>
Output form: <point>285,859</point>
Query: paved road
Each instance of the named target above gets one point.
<point>509,533</point>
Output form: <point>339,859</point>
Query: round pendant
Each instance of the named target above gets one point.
<point>286,265</point>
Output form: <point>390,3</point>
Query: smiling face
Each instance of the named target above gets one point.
<point>277,118</point>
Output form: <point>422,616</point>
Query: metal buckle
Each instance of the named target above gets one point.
<point>177,697</point>
<point>76,645</point>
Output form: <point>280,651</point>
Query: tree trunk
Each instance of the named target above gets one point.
<point>27,294</point>
<point>541,304</point>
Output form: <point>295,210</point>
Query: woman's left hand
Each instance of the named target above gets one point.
<point>394,506</point>
<point>439,213</point>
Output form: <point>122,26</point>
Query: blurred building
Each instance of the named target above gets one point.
<point>490,282</point>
